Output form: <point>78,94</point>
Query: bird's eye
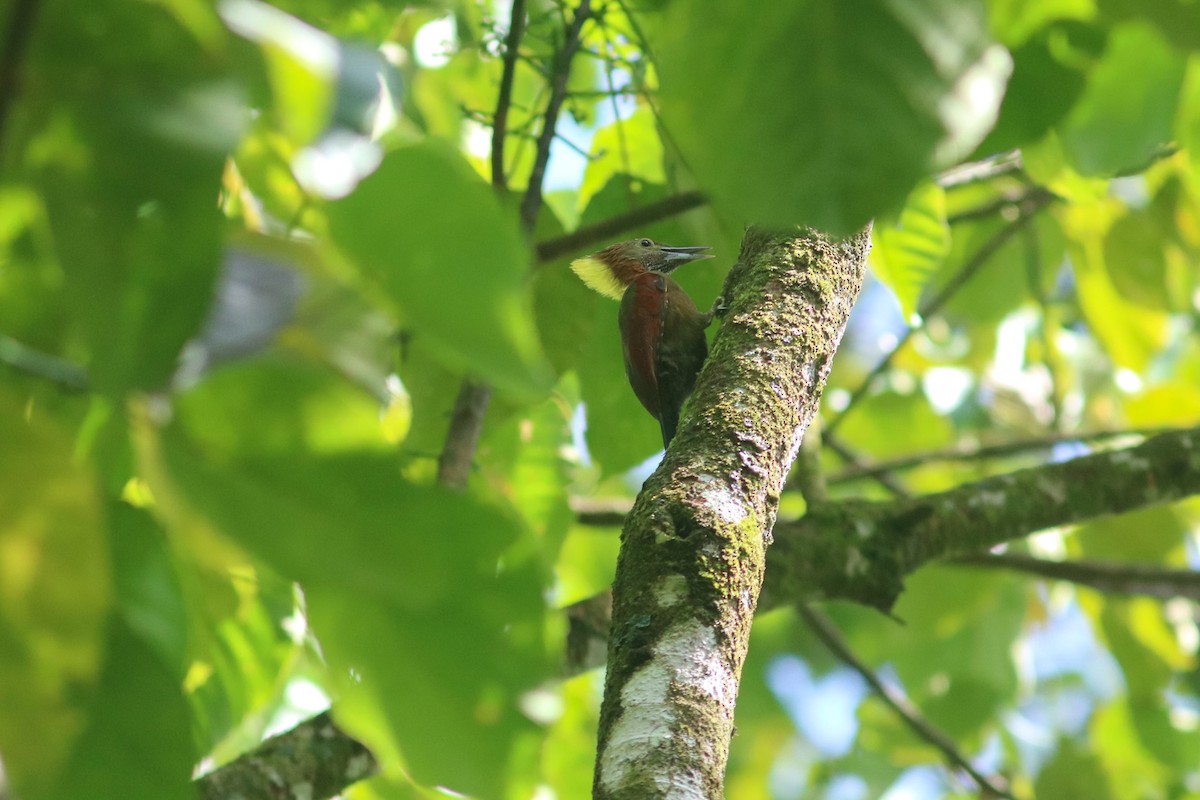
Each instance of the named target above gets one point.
<point>645,242</point>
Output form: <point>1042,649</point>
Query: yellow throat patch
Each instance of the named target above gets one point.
<point>596,274</point>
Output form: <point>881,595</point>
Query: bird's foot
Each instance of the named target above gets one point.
<point>718,310</point>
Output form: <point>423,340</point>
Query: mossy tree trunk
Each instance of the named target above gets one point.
<point>694,546</point>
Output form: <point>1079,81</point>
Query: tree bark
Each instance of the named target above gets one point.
<point>694,546</point>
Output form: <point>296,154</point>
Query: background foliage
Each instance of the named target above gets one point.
<point>217,515</point>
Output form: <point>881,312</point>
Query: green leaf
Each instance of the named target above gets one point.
<point>1015,21</point>
<point>856,102</point>
<point>1128,110</point>
<point>462,290</point>
<point>403,592</point>
<point>1177,20</point>
<point>138,741</point>
<point>629,147</point>
<point>1131,334</point>
<point>130,162</point>
<point>907,251</point>
<point>149,595</point>
<point>55,574</point>
<point>1073,772</point>
<point>1049,74</point>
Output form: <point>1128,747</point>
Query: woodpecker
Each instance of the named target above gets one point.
<point>662,331</point>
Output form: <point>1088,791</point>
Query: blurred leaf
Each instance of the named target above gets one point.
<point>907,251</point>
<point>55,592</point>
<point>464,295</point>
<point>301,61</point>
<point>1132,335</point>
<point>628,147</point>
<point>885,90</point>
<point>1147,535</point>
<point>278,406</point>
<point>1128,109</point>
<point>1136,262</point>
<point>149,596</point>
<point>1177,20</point>
<point>1073,772</point>
<point>1015,21</point>
<point>402,589</point>
<point>565,310</point>
<point>130,147</point>
<point>138,742</point>
<point>1050,72</point>
<point>1176,403</point>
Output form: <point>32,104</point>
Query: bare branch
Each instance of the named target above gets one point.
<point>604,230</point>
<point>512,43</point>
<point>974,452</point>
<point>1110,578</point>
<point>831,637</point>
<point>531,204</point>
<point>59,370</point>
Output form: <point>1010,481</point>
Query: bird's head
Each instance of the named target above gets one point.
<point>613,268</point>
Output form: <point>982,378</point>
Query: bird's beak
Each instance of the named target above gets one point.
<point>676,256</point>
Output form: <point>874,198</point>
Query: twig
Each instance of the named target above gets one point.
<point>65,373</point>
<point>466,425</point>
<point>1003,203</point>
<point>857,463</point>
<point>866,469</point>
<point>531,204</point>
<point>984,170</point>
<point>20,22</point>
<point>589,235</point>
<point>1111,578</point>
<point>829,635</point>
<point>989,248</point>
<point>512,42</point>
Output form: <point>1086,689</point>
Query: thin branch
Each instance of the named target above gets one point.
<point>59,370</point>
<point>516,27</point>
<point>859,463</point>
<point>1027,212</point>
<point>868,469</point>
<point>983,170</point>
<point>1007,202</point>
<point>20,23</point>
<point>831,637</point>
<point>466,425</point>
<point>590,235</point>
<point>1111,578</point>
<point>531,204</point>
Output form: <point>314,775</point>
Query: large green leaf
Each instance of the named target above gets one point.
<point>1128,109</point>
<point>826,112</point>
<point>437,240</point>
<point>403,592</point>
<point>1049,74</point>
<point>55,590</point>
<point>132,123</point>
<point>137,744</point>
